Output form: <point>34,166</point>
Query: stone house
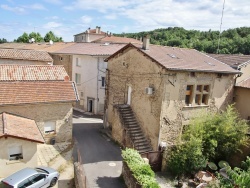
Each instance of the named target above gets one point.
<point>19,137</point>
<point>41,93</point>
<point>84,62</point>
<point>242,83</point>
<point>28,57</point>
<point>89,35</point>
<point>153,91</point>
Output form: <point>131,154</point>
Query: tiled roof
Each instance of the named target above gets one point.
<point>37,46</point>
<point>233,60</point>
<point>91,49</point>
<point>29,92</point>
<point>32,55</point>
<point>32,72</point>
<point>114,39</point>
<point>173,58</point>
<point>244,83</point>
<point>19,127</point>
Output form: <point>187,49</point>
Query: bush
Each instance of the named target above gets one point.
<point>140,169</point>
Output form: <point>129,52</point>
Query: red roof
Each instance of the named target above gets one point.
<point>19,127</point>
<point>184,59</point>
<point>32,55</point>
<point>32,72</point>
<point>91,49</point>
<point>30,92</point>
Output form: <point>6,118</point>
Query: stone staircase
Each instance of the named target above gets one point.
<point>134,131</point>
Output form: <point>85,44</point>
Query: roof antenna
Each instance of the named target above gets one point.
<point>218,50</point>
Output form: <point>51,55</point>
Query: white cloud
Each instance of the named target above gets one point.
<point>19,10</point>
<point>86,19</point>
<point>51,25</point>
<point>36,6</point>
<point>52,18</point>
<point>111,16</point>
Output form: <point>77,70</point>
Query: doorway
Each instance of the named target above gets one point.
<point>90,105</point>
<point>129,95</point>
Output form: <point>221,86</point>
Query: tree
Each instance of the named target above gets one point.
<point>36,36</point>
<point>51,36</point>
<point>24,38</point>
<point>209,137</point>
<point>3,40</point>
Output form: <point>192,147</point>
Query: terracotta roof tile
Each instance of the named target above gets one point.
<point>28,92</point>
<point>37,46</point>
<point>19,127</point>
<point>184,59</point>
<point>114,39</point>
<point>91,49</point>
<point>32,55</point>
<point>31,72</point>
<point>245,83</point>
<point>233,60</point>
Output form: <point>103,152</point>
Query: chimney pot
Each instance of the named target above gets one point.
<point>96,29</point>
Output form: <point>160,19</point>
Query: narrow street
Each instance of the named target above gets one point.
<point>101,158</point>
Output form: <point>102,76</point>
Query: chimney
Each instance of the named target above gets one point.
<point>99,30</point>
<point>96,29</point>
<point>87,37</point>
<point>145,44</point>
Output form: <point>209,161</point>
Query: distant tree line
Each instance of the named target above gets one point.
<point>3,40</point>
<point>232,41</point>
<point>25,37</point>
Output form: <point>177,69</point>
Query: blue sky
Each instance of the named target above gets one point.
<point>68,17</point>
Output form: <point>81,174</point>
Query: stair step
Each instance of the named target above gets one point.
<point>144,150</point>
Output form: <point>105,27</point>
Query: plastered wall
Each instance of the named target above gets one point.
<point>29,150</point>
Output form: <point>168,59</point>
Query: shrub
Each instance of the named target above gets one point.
<point>140,169</point>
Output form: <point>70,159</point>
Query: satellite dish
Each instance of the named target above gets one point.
<point>50,42</point>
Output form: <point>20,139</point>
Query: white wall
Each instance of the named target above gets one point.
<point>29,149</point>
<point>91,69</point>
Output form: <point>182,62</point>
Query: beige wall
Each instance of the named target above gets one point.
<point>61,113</point>
<point>29,150</point>
<point>83,37</point>
<point>65,60</point>
<point>23,62</point>
<point>163,114</point>
<point>245,69</point>
<point>242,101</point>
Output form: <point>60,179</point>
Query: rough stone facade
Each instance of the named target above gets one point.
<point>29,151</point>
<point>60,113</point>
<point>162,114</point>
<point>65,60</point>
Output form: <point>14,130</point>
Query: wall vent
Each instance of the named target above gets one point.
<point>149,90</point>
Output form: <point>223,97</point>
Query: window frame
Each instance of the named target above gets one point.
<point>15,156</point>
<point>78,78</point>
<point>48,123</point>
<point>197,95</point>
<point>103,81</point>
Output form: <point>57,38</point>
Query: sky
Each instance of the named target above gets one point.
<point>69,17</point>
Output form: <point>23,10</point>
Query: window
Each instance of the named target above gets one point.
<point>202,94</point>
<point>103,81</point>
<point>77,62</point>
<point>192,74</point>
<point>15,153</point>
<point>81,94</point>
<point>78,78</point>
<point>25,183</point>
<point>61,58</point>
<point>49,127</point>
<point>188,99</point>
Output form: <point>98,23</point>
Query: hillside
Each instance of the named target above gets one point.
<point>232,41</point>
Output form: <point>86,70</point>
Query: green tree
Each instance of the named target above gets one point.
<point>37,36</point>
<point>24,38</point>
<point>51,36</point>
<point>3,40</point>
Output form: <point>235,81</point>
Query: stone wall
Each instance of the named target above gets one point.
<point>61,113</point>
<point>128,177</point>
<point>29,150</point>
<point>162,114</point>
<point>65,60</point>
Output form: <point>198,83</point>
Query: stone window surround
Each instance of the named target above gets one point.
<point>198,94</point>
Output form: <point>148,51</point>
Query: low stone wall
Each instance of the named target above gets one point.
<point>128,177</point>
